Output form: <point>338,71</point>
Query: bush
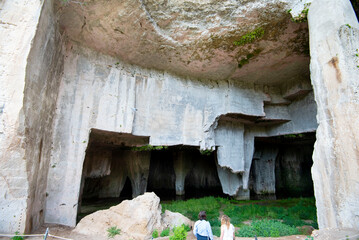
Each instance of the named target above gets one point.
<point>17,237</point>
<point>266,228</point>
<point>155,234</point>
<point>179,233</point>
<point>186,227</point>
<point>113,231</point>
<point>165,232</point>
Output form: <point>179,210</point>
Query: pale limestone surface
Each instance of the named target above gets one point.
<point>54,92</point>
<point>169,109</point>
<point>18,27</point>
<point>173,219</point>
<point>334,43</point>
<point>137,219</point>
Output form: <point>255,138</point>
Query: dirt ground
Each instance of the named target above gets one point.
<point>66,232</point>
<point>325,234</point>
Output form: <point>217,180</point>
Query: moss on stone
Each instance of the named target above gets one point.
<point>250,37</point>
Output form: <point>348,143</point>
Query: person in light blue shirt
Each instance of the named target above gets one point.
<point>202,228</point>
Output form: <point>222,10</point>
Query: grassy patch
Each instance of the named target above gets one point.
<point>290,212</point>
<point>266,228</point>
<point>192,207</point>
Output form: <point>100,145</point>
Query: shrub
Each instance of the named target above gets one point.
<point>155,234</point>
<point>179,233</point>
<point>186,227</point>
<point>17,237</point>
<point>266,228</point>
<point>113,231</point>
<point>165,232</point>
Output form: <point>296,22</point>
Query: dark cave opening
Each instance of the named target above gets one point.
<point>195,173</point>
<point>121,166</point>
<point>281,167</point>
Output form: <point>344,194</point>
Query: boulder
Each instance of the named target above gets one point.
<point>171,219</point>
<point>136,218</point>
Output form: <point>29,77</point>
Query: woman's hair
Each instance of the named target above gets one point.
<point>225,220</point>
<point>202,215</point>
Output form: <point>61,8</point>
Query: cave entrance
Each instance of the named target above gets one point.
<point>183,172</point>
<point>112,172</point>
<point>120,166</point>
<point>281,166</point>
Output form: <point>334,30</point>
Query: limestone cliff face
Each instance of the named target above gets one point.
<point>334,72</point>
<point>205,74</point>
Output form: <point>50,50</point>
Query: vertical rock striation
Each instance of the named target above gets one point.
<point>334,44</point>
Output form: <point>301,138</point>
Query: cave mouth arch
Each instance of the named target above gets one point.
<point>120,166</point>
<point>281,167</point>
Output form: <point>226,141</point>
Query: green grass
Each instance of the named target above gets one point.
<point>291,212</point>
<point>266,228</point>
<point>192,207</point>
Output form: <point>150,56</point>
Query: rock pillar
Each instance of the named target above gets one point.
<point>112,185</point>
<point>263,170</point>
<point>181,165</point>
<point>138,167</point>
<point>334,46</point>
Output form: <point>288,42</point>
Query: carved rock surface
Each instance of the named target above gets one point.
<point>137,219</point>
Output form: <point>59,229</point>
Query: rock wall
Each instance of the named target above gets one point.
<point>55,93</point>
<point>30,66</point>
<point>334,44</point>
<point>100,92</point>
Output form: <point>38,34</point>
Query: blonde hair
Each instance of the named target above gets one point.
<point>225,221</point>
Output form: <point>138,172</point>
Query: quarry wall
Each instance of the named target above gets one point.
<point>54,91</point>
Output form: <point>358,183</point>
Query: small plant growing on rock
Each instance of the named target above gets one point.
<point>250,37</point>
<point>113,231</point>
<point>155,234</point>
<point>148,148</point>
<point>165,232</point>
<point>17,237</point>
<point>302,17</point>
<point>206,152</point>
<point>179,233</point>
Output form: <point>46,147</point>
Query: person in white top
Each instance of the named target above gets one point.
<point>202,228</point>
<point>227,229</point>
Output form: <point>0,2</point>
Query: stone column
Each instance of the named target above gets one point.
<point>334,44</point>
<point>112,185</point>
<point>181,165</point>
<point>138,167</point>
<point>264,171</point>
